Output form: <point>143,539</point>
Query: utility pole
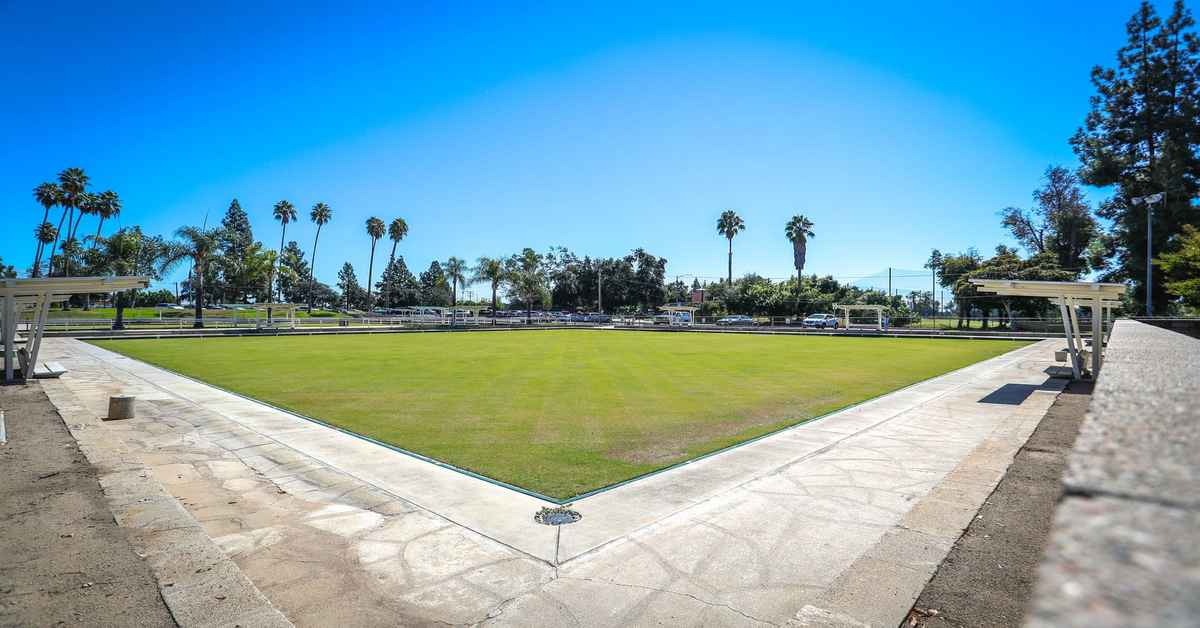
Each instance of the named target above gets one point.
<point>599,283</point>
<point>889,286</point>
<point>1149,200</point>
<point>933,289</point>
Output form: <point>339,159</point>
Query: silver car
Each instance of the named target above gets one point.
<point>821,321</point>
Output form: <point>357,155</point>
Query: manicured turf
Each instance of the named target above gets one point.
<point>561,412</point>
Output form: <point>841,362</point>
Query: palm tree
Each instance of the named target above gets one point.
<point>320,214</point>
<point>729,225</point>
<point>526,275</point>
<point>489,270</point>
<point>128,252</point>
<point>285,213</point>
<point>198,245</point>
<point>397,231</point>
<point>108,205</point>
<point>71,183</point>
<point>45,234</point>
<point>456,272</point>
<point>88,204</point>
<point>47,195</point>
<point>798,231</point>
<point>375,229</point>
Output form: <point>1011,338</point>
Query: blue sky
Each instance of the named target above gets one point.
<point>896,127</point>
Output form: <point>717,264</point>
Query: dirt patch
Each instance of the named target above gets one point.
<point>987,578</point>
<point>65,560</point>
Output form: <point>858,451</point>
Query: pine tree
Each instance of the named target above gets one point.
<point>398,287</point>
<point>236,241</point>
<point>293,273</point>
<point>353,295</point>
<point>237,236</point>
<point>434,289</point>
<point>1142,135</point>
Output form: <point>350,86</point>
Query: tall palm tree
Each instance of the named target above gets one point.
<point>108,205</point>
<point>47,195</point>
<point>729,225</point>
<point>71,182</point>
<point>397,231</point>
<point>320,214</point>
<point>88,204</point>
<point>375,229</point>
<point>456,272</point>
<point>45,234</point>
<point>285,213</point>
<point>489,270</point>
<point>197,245</point>
<point>798,231</point>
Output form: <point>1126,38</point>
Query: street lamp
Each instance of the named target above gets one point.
<point>1149,200</point>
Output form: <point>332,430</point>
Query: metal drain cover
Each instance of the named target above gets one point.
<point>557,516</point>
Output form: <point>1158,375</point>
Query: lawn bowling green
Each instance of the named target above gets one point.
<point>560,412</point>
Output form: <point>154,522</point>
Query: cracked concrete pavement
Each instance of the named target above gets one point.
<point>837,522</point>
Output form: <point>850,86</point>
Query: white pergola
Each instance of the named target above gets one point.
<point>263,321</point>
<point>1069,295</point>
<point>878,309</point>
<point>22,295</point>
<point>674,309</point>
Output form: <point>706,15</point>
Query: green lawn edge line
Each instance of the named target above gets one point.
<point>535,494</point>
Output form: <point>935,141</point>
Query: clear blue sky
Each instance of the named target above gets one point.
<point>896,127</point>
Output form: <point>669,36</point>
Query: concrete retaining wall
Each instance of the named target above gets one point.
<point>1125,548</point>
<point>1188,326</point>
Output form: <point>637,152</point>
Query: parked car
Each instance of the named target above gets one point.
<point>736,319</point>
<point>821,321</point>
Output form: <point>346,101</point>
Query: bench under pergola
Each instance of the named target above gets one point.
<point>36,295</point>
<point>1068,295</point>
<point>848,307</point>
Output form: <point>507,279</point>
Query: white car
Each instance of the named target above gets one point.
<point>822,321</point>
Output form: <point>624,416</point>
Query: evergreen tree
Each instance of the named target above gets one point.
<point>398,287</point>
<point>1141,136</point>
<point>236,236</point>
<point>353,295</point>
<point>1182,267</point>
<point>293,273</point>
<point>433,287</point>
<point>236,241</point>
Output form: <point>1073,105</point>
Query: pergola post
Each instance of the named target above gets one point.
<point>10,335</point>
<point>1066,319</point>
<point>1097,335</point>
<point>38,329</point>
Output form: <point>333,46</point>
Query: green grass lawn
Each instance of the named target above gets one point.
<point>561,412</point>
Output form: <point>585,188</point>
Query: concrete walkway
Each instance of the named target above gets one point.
<point>837,522</point>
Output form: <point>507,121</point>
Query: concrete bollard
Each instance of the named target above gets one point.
<point>120,407</point>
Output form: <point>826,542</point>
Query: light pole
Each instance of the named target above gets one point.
<point>1149,200</point>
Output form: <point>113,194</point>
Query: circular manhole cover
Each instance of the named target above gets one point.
<point>557,516</point>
